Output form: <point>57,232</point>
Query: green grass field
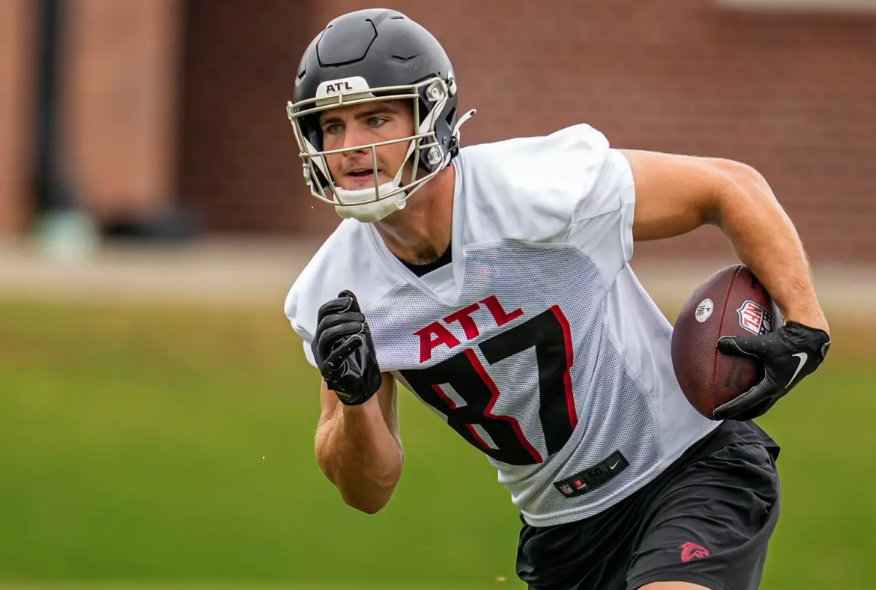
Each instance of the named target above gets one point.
<point>173,449</point>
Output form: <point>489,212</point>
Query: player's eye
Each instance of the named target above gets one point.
<point>334,128</point>
<point>376,121</point>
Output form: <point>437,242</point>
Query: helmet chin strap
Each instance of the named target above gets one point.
<point>371,210</point>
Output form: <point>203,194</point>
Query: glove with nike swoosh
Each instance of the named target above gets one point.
<point>788,355</point>
<point>344,350</point>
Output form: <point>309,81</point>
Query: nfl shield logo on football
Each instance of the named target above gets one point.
<point>567,489</point>
<point>755,318</point>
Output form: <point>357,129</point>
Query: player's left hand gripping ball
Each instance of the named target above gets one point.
<point>788,354</point>
<point>344,350</point>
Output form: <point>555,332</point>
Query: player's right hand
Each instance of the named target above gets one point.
<point>344,350</point>
<point>788,355</point>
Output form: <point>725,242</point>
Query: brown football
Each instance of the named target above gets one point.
<point>732,302</point>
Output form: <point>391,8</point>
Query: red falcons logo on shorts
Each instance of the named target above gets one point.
<point>692,551</point>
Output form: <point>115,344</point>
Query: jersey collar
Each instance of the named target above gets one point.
<point>437,284</point>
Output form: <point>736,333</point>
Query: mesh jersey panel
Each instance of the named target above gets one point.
<point>537,345</point>
<point>611,412</point>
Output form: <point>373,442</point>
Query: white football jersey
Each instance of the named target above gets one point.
<point>537,345</point>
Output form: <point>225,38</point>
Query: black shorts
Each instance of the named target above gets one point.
<point>706,520</point>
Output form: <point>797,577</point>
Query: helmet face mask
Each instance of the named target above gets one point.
<point>372,56</point>
<point>423,144</point>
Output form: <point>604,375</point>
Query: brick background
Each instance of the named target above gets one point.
<point>17,49</point>
<point>240,165</point>
<point>120,87</point>
<point>793,95</point>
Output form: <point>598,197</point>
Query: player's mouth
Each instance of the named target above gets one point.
<point>362,174</point>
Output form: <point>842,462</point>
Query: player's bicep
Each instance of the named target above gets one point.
<point>676,194</point>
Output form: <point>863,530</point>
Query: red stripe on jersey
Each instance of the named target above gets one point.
<point>570,358</point>
<point>482,372</point>
<point>478,436</point>
<point>453,406</point>
<point>444,396</point>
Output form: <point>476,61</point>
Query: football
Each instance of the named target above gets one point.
<point>732,302</point>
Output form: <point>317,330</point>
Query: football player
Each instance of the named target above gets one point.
<point>493,281</point>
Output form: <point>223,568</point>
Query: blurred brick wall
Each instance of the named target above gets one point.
<point>240,165</point>
<point>118,70</point>
<point>17,50</point>
<point>120,86</point>
<point>792,95</point>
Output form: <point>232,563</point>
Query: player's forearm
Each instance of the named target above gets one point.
<point>765,239</point>
<point>359,454</point>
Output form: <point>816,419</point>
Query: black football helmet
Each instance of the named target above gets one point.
<point>369,56</point>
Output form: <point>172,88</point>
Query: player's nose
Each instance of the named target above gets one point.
<point>354,138</point>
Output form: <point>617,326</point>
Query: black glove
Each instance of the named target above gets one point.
<point>344,350</point>
<point>788,354</point>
